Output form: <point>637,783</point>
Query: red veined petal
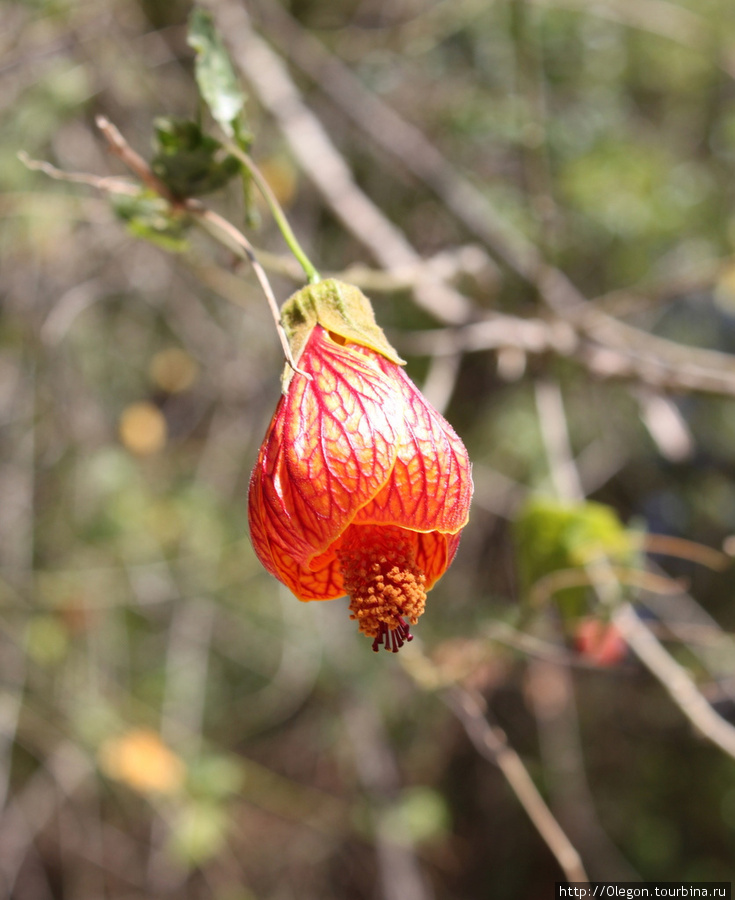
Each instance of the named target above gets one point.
<point>322,578</point>
<point>331,447</point>
<point>271,530</point>
<point>433,555</point>
<point>430,487</point>
<point>322,582</point>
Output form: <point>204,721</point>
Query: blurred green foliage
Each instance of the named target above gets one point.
<point>149,216</point>
<point>140,637</point>
<point>556,536</point>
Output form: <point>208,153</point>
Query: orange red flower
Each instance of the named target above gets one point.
<point>360,487</point>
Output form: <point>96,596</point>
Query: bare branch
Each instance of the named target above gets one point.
<point>212,222</point>
<point>636,354</point>
<point>555,434</point>
<point>561,579</point>
<point>491,742</point>
<point>412,149</point>
<point>674,678</point>
<point>133,160</point>
<point>668,545</point>
<point>108,184</point>
<point>322,162</point>
<point>607,348</point>
<point>606,580</point>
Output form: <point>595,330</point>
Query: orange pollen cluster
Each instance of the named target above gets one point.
<point>386,586</point>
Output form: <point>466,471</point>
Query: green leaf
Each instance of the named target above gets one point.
<point>551,536</point>
<point>188,161</point>
<point>150,217</point>
<point>215,75</point>
<point>338,307</point>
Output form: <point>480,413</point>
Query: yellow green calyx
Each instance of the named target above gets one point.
<point>339,308</point>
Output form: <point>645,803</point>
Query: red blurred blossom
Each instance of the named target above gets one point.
<point>599,642</point>
<point>361,487</point>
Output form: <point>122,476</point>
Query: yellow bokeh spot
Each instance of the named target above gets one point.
<point>173,370</point>
<point>142,428</point>
<point>140,759</point>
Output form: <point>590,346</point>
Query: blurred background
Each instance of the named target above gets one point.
<point>173,723</point>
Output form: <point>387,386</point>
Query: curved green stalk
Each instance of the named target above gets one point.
<point>279,216</point>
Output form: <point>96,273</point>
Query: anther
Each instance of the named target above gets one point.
<point>386,586</point>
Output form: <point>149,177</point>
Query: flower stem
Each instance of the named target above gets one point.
<point>279,216</point>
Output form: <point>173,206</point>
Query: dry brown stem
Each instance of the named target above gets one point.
<point>491,742</point>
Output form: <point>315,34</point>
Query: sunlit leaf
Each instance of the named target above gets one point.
<point>215,75</point>
<point>553,536</point>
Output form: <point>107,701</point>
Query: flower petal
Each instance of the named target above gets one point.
<point>434,553</point>
<point>321,581</point>
<point>331,447</point>
<point>431,486</point>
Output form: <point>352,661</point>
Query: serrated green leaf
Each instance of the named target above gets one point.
<point>188,161</point>
<point>216,78</point>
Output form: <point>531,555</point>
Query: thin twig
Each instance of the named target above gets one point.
<point>215,224</point>
<point>315,151</point>
<point>211,220</point>
<point>555,434</point>
<point>495,330</point>
<point>275,207</point>
<point>666,545</point>
<point>674,678</point>
<point>607,348</point>
<point>561,579</point>
<point>491,742</point>
<point>404,142</point>
<point>133,160</point>
<point>614,350</point>
<point>108,184</point>
<point>636,354</point>
<point>534,647</point>
<point>681,614</point>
